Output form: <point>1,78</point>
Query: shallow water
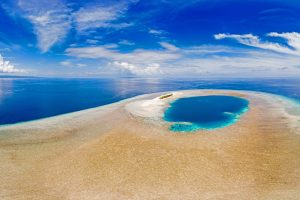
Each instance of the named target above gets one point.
<point>24,99</point>
<point>205,112</point>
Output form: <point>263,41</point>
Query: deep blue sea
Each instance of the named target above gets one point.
<point>24,99</point>
<point>205,112</point>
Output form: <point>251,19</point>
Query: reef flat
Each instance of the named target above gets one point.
<point>125,150</point>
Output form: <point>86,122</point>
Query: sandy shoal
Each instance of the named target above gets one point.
<point>120,152</point>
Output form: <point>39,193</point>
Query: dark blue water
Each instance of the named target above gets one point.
<point>205,112</point>
<point>24,99</point>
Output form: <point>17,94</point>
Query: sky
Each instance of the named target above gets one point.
<point>150,38</point>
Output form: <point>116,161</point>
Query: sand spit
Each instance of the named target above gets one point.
<point>125,151</point>
<point>151,108</point>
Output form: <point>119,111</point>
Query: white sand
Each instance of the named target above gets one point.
<point>151,108</point>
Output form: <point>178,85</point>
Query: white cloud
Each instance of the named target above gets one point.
<point>293,39</point>
<point>7,67</point>
<point>100,16</point>
<point>156,32</point>
<point>124,65</point>
<point>68,63</point>
<point>50,19</point>
<point>151,69</point>
<point>211,49</point>
<point>126,42</point>
<point>255,41</point>
<point>169,46</point>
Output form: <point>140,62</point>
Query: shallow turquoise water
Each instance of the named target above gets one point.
<point>204,112</point>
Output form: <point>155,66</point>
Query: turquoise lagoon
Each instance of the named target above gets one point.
<point>205,112</point>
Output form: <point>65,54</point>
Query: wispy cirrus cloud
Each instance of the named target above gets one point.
<point>126,42</point>
<point>169,46</point>
<point>138,55</point>
<point>51,20</point>
<point>101,16</point>
<point>157,32</point>
<point>293,41</point>
<point>68,63</point>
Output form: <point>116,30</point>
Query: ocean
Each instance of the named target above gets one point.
<point>25,99</point>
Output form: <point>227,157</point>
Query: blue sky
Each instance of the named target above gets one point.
<point>197,38</point>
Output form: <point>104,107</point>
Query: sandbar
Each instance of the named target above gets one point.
<point>125,150</point>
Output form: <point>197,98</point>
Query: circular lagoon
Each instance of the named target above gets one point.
<point>205,112</point>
